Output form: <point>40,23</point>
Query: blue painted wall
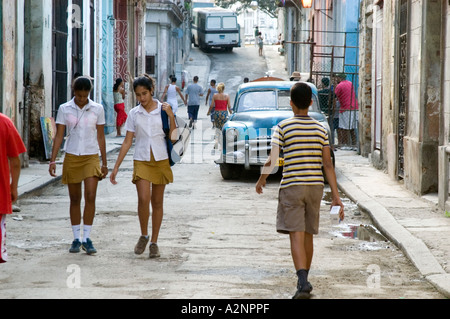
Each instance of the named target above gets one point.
<point>352,9</point>
<point>108,65</point>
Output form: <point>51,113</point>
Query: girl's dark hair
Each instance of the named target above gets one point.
<point>301,95</point>
<point>116,85</point>
<point>82,83</point>
<point>145,81</point>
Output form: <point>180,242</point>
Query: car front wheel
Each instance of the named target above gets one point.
<point>229,171</point>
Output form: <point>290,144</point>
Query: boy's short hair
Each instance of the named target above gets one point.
<point>301,95</point>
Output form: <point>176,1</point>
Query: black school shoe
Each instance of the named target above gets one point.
<point>303,292</point>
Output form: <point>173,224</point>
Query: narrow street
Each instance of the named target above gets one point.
<point>218,238</point>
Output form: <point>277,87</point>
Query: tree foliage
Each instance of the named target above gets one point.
<point>267,6</point>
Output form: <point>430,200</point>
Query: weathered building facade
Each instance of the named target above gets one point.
<point>167,39</point>
<point>404,59</point>
<point>312,33</point>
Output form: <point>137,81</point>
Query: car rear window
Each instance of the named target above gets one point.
<point>213,23</point>
<point>229,23</point>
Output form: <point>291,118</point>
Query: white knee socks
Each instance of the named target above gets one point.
<point>76,229</point>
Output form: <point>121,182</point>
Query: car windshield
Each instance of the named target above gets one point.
<point>268,100</point>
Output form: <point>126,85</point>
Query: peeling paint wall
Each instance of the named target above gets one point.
<point>427,119</point>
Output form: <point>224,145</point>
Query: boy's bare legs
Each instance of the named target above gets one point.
<point>302,249</point>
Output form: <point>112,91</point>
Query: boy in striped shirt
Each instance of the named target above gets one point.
<point>305,146</point>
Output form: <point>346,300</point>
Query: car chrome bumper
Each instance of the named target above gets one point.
<point>247,152</point>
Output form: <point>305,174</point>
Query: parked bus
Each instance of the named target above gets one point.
<point>215,27</point>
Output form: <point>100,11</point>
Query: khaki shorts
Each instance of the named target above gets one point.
<point>299,209</point>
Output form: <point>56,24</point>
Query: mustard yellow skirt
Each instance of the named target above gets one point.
<point>77,168</point>
<point>156,172</point>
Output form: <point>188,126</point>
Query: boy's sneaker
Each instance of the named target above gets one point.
<point>88,247</point>
<point>75,248</point>
<point>308,287</point>
<point>302,293</point>
<point>154,250</point>
<point>141,244</point>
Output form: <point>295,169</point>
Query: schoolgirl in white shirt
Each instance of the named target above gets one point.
<point>83,121</point>
<point>152,170</point>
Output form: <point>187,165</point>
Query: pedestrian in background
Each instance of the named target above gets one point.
<point>326,101</point>
<point>220,103</point>
<point>211,91</point>
<point>172,90</point>
<point>84,121</point>
<point>348,112</point>
<point>256,33</point>
<point>305,147</point>
<point>119,104</point>
<point>193,93</point>
<point>260,44</point>
<point>152,170</point>
<point>11,146</point>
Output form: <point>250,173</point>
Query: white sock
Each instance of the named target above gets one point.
<point>76,229</point>
<point>86,232</point>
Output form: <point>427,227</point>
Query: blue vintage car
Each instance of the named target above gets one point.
<point>258,107</point>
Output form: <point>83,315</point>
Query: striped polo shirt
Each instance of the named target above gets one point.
<point>301,139</point>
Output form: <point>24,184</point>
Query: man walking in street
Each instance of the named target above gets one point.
<point>193,93</point>
<point>256,36</point>
<point>305,147</point>
<point>348,112</point>
<point>11,146</point>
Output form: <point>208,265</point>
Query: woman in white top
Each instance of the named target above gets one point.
<point>84,122</point>
<point>152,170</point>
<point>171,90</point>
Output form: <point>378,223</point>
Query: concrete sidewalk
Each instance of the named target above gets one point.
<point>412,223</point>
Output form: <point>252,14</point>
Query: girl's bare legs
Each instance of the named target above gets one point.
<point>157,210</point>
<point>144,197</point>
<point>75,195</point>
<point>154,194</point>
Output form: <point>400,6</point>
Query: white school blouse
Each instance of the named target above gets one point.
<point>149,134</point>
<point>81,126</point>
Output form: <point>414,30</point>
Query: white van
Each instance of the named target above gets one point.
<point>215,27</point>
